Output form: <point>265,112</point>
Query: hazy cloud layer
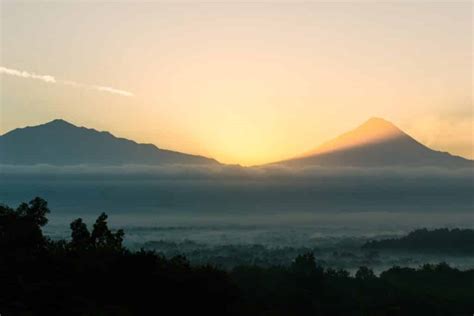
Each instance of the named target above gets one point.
<point>52,79</point>
<point>231,190</point>
<point>228,172</point>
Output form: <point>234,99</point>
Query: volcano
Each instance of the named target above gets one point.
<point>376,143</point>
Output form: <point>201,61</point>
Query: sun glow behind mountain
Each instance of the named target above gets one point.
<point>245,83</point>
<point>376,143</point>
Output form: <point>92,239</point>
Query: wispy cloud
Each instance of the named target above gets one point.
<point>25,74</point>
<point>52,79</point>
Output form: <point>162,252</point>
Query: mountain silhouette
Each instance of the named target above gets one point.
<point>62,143</point>
<point>376,143</point>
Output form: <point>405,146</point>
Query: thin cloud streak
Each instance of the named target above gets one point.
<point>52,79</point>
<point>25,74</point>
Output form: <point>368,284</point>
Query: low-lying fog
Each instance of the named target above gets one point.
<point>200,210</point>
<point>234,190</point>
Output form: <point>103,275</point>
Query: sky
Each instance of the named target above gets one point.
<point>245,83</point>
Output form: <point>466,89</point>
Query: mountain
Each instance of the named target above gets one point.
<point>376,143</point>
<point>62,143</point>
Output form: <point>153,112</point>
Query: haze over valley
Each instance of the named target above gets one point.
<point>371,181</point>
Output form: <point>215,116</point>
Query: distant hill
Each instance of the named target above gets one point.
<point>376,143</point>
<point>443,240</point>
<point>62,143</point>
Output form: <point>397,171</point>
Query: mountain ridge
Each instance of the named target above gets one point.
<point>59,142</point>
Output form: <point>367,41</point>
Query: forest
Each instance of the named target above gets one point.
<point>442,240</point>
<point>92,273</point>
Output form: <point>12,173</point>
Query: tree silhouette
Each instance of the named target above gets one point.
<point>305,264</point>
<point>364,273</point>
<point>80,236</point>
<point>37,211</point>
<point>20,229</point>
<point>103,238</point>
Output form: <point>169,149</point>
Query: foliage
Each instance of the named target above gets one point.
<point>93,274</point>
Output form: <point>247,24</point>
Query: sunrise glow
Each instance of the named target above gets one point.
<point>245,83</point>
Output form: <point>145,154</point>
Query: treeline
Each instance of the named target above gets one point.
<point>444,240</point>
<point>93,274</point>
<point>230,255</point>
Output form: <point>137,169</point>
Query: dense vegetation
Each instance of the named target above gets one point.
<point>454,241</point>
<point>93,274</point>
<point>230,255</point>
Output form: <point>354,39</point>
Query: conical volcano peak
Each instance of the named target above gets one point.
<point>376,143</point>
<point>374,130</point>
<point>378,120</point>
<point>377,125</point>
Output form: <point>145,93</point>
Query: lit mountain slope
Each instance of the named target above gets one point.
<point>376,143</point>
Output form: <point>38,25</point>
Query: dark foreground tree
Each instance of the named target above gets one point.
<point>20,229</point>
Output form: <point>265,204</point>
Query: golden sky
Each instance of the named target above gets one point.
<point>244,83</point>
